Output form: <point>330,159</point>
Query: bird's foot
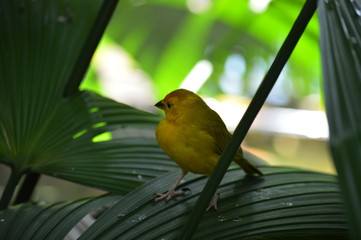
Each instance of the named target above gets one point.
<point>168,195</point>
<point>213,203</point>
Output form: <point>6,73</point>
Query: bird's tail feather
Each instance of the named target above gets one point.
<point>246,165</point>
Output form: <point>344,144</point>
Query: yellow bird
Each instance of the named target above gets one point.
<point>194,136</point>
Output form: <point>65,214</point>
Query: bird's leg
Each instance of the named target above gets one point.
<point>171,192</point>
<point>213,202</point>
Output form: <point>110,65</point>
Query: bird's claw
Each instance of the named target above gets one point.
<point>168,195</point>
<point>213,202</point>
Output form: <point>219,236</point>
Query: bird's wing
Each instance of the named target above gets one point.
<point>216,128</point>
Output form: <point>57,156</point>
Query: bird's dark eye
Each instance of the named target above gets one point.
<point>169,105</point>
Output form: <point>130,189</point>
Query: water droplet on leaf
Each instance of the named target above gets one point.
<point>288,204</point>
<point>222,218</point>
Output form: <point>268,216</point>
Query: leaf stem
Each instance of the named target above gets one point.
<point>27,188</point>
<point>256,104</point>
<point>94,36</point>
<point>13,181</point>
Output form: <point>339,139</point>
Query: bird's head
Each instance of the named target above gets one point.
<point>179,103</point>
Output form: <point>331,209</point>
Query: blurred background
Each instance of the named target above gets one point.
<point>220,49</point>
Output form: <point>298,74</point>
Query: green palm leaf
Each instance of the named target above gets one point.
<point>48,127</point>
<point>47,222</point>
<point>117,166</point>
<point>40,44</point>
<point>286,202</point>
<point>341,56</point>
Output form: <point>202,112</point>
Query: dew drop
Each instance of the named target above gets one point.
<point>67,17</point>
<point>288,204</point>
<point>62,19</point>
<point>142,217</point>
<point>222,218</point>
<point>139,218</point>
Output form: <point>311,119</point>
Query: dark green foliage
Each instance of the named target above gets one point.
<point>340,23</point>
<point>47,222</point>
<point>48,126</point>
<point>285,202</point>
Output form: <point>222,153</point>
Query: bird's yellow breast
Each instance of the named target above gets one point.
<point>188,146</point>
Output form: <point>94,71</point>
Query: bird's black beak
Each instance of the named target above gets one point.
<point>160,105</point>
